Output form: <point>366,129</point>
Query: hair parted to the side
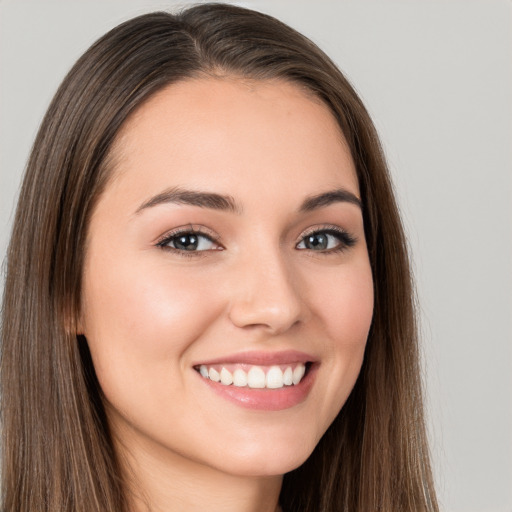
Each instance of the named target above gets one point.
<point>57,453</point>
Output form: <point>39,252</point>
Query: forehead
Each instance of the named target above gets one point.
<point>229,132</point>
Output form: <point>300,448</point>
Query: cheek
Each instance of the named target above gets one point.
<point>346,306</point>
<point>142,321</point>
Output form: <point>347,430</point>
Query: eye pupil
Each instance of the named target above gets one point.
<point>186,242</point>
<point>316,241</point>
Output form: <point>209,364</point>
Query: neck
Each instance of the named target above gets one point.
<point>167,482</point>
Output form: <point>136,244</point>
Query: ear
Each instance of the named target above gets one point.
<point>79,327</point>
<point>73,322</point>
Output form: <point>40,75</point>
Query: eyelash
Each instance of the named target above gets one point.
<point>171,236</point>
<point>345,240</point>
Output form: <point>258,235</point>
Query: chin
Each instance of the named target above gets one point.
<point>269,459</point>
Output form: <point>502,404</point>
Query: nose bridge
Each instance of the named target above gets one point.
<point>265,293</point>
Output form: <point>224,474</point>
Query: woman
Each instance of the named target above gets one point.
<point>208,301</point>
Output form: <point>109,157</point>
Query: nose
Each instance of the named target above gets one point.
<point>265,295</point>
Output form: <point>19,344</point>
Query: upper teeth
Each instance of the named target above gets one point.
<point>273,377</point>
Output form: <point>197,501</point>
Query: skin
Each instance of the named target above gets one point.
<point>151,313</point>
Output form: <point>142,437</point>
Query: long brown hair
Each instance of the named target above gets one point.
<point>57,452</point>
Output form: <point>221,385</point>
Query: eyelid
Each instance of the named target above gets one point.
<point>322,228</point>
<point>189,228</point>
<point>346,239</point>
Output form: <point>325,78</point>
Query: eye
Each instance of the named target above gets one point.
<point>188,241</point>
<point>327,240</point>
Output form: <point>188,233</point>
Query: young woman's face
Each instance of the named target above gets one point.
<point>229,244</point>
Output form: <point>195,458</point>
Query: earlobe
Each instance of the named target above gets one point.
<point>79,324</point>
<point>78,318</point>
<point>73,323</point>
<point>79,328</point>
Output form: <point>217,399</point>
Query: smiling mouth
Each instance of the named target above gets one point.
<point>255,376</point>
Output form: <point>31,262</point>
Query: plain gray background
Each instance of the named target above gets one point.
<point>437,79</point>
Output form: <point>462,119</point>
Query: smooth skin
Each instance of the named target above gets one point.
<point>263,275</point>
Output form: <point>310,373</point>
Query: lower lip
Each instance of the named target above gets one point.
<point>266,399</point>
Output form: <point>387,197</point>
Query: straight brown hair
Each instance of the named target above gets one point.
<point>57,451</point>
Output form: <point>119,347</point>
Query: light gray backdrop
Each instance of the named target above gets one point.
<point>437,78</point>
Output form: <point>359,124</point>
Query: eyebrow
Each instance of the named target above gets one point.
<point>228,203</point>
<point>194,198</point>
<point>327,198</point>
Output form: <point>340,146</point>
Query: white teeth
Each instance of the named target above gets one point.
<point>298,373</point>
<point>275,377</point>
<point>256,377</point>
<point>288,376</point>
<point>225,377</point>
<point>214,375</point>
<point>239,378</point>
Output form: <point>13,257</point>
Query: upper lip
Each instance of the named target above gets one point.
<point>261,358</point>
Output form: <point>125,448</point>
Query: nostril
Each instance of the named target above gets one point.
<point>263,315</point>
